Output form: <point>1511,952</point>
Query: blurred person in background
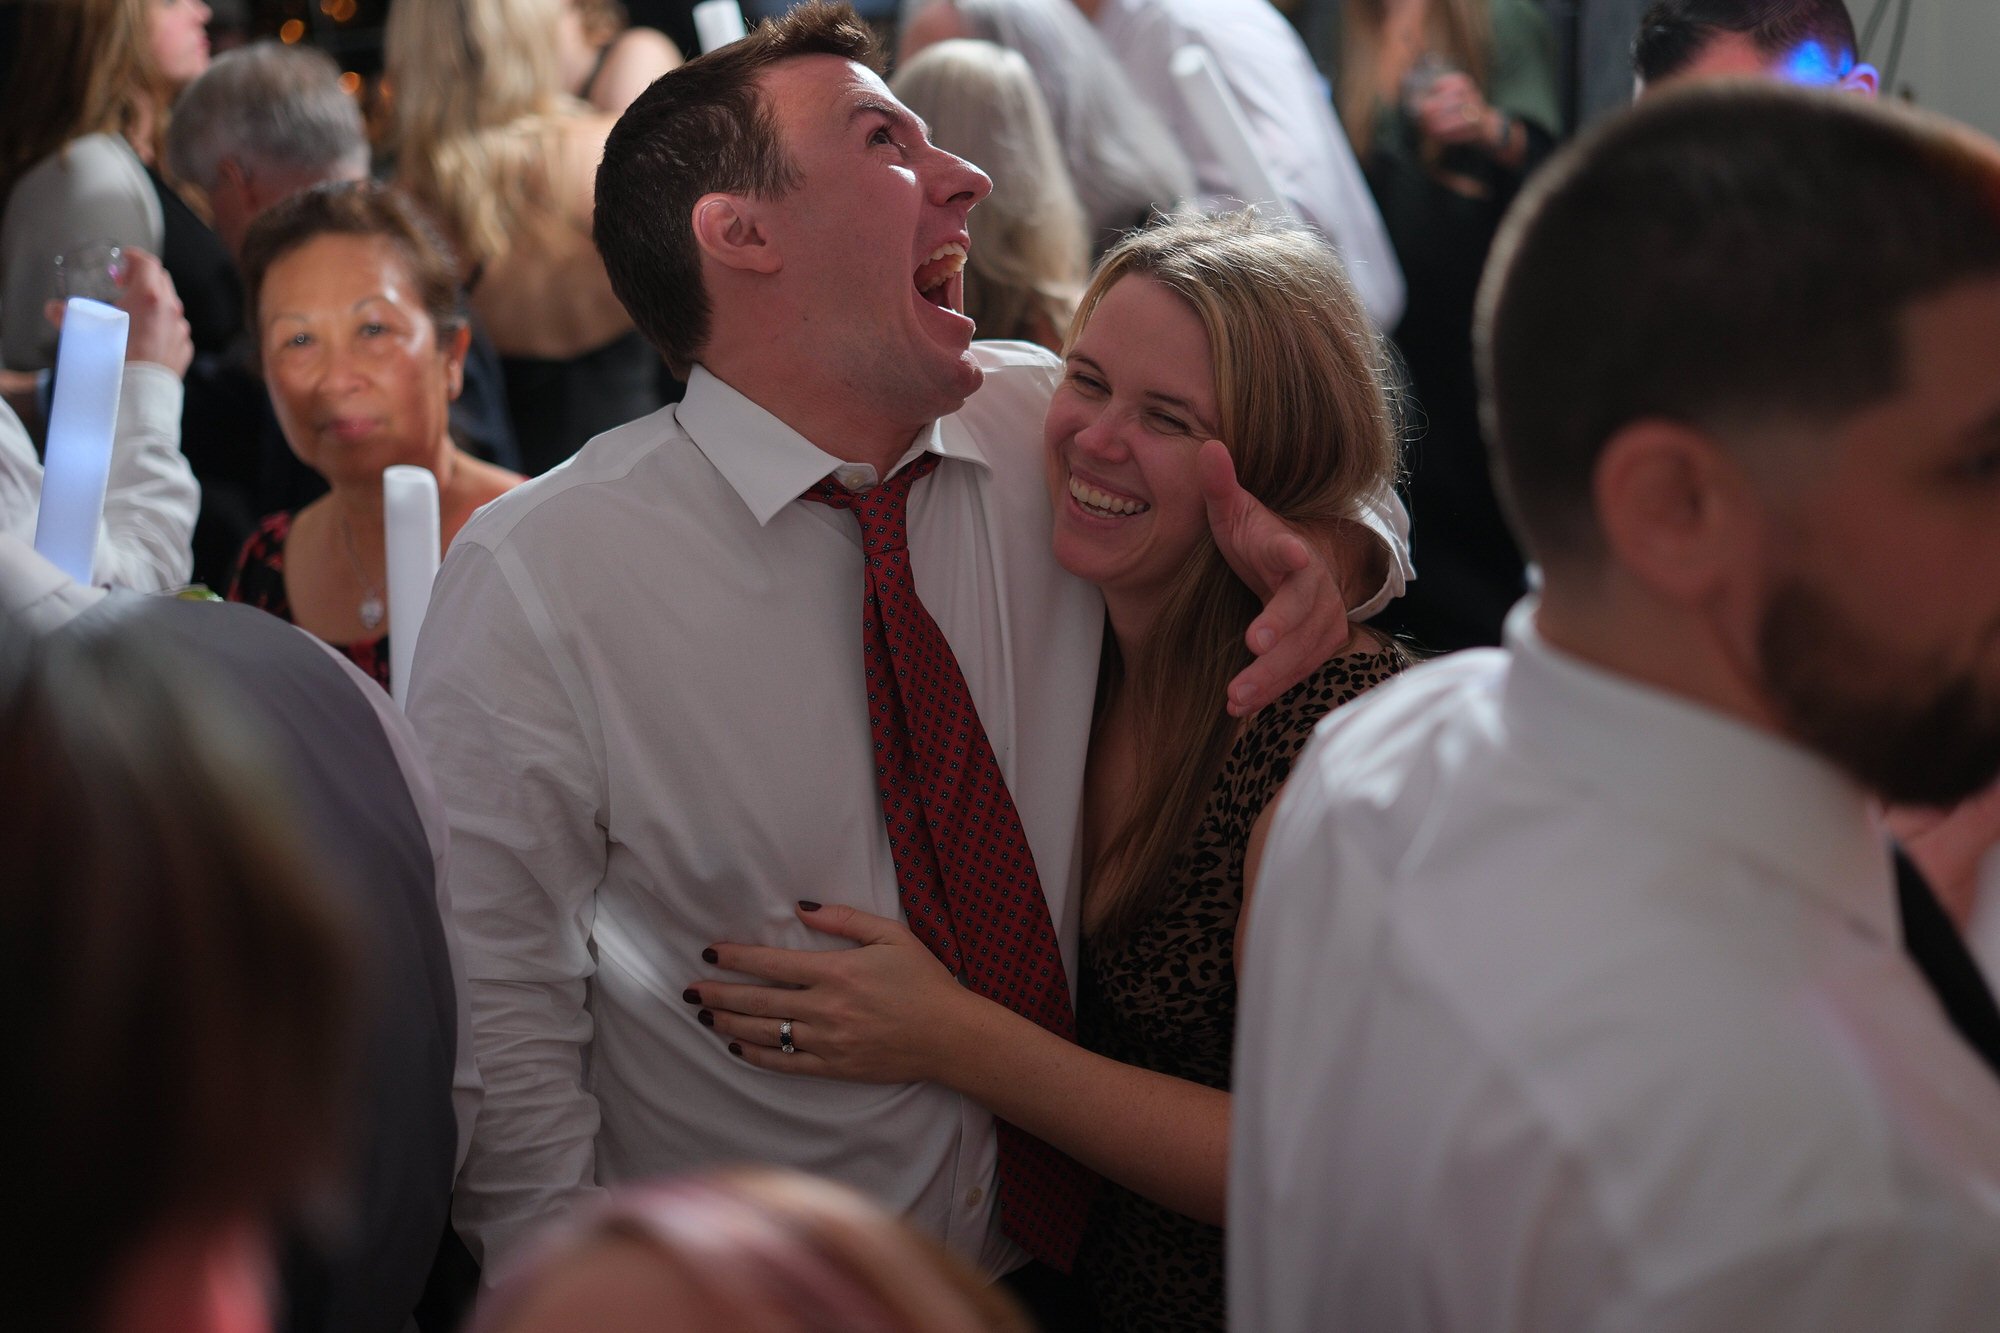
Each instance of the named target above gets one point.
<point>1450,104</point>
<point>1807,42</point>
<point>178,985</point>
<point>604,60</point>
<point>750,1250</point>
<point>355,302</point>
<point>1030,253</point>
<point>485,136</point>
<point>150,496</point>
<point>1123,164</point>
<point>1264,65</point>
<point>80,162</point>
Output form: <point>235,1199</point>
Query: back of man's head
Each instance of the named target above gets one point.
<point>270,108</point>
<point>1726,257</point>
<point>700,129</point>
<point>1805,41</point>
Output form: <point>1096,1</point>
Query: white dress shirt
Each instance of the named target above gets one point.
<point>640,685</point>
<point>1571,1005</point>
<point>1291,118</point>
<point>150,496</point>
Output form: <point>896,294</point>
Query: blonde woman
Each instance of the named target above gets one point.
<point>79,151</point>
<point>1030,253</point>
<point>748,1250</point>
<point>486,137</point>
<point>605,61</point>
<point>1194,331</point>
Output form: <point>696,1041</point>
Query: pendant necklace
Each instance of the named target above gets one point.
<point>372,607</point>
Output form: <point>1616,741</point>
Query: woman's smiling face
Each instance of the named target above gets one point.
<point>1136,402</point>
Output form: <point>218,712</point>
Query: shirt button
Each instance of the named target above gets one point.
<point>974,1197</point>
<point>853,478</point>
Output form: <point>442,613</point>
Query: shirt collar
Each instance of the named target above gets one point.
<point>770,465</point>
<point>1672,761</point>
<point>37,595</point>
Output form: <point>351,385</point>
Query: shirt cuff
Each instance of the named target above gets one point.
<point>149,400</point>
<point>1382,513</point>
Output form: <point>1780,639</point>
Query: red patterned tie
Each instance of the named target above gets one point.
<point>967,877</point>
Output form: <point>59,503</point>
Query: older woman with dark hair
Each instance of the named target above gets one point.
<point>354,301</point>
<point>1191,332</point>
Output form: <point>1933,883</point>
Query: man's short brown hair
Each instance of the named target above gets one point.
<point>700,129</point>
<point>1723,256</point>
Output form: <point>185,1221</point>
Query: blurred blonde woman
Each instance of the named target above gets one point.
<point>751,1250</point>
<point>486,137</point>
<point>604,60</point>
<point>1030,252</point>
<point>79,159</point>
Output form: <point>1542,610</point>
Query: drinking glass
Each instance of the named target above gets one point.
<point>94,269</point>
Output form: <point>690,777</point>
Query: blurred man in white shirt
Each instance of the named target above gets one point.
<point>1578,992</point>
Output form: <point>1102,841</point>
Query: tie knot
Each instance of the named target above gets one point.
<point>882,509</point>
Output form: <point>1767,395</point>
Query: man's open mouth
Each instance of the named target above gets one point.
<point>935,276</point>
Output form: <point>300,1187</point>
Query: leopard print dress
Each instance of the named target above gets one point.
<point>1163,997</point>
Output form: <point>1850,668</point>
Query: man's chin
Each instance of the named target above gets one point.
<point>1913,736</point>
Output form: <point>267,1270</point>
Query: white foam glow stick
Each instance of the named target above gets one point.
<point>410,530</point>
<point>83,420</point>
<point>718,23</point>
<point>1221,119</point>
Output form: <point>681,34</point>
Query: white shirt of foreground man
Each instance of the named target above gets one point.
<point>611,627</point>
<point>1726,902</point>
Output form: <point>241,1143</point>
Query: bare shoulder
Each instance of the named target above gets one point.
<point>636,57</point>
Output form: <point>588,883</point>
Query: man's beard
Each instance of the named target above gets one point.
<point>1903,726</point>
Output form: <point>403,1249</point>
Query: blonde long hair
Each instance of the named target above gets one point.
<point>1460,31</point>
<point>1299,384</point>
<point>477,102</point>
<point>1030,250</point>
<point>84,67</point>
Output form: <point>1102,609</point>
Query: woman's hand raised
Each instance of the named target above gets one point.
<point>885,1012</point>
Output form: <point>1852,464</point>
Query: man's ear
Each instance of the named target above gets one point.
<point>1861,79</point>
<point>230,172</point>
<point>456,344</point>
<point>728,230</point>
<point>1676,510</point>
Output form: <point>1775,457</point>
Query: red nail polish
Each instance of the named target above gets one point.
<point>705,1018</point>
<point>735,1049</point>
<point>691,995</point>
<point>808,905</point>
<point>710,956</point>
